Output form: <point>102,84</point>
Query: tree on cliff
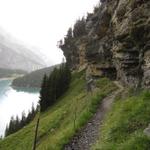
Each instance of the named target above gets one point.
<point>78,31</point>
<point>79,28</point>
<point>67,40</point>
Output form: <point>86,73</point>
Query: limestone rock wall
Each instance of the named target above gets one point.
<point>117,43</point>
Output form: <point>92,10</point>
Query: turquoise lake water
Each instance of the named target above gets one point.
<point>14,102</point>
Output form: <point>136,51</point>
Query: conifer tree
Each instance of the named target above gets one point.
<point>54,86</point>
<point>16,124</point>
<point>7,130</point>
<point>79,28</point>
<point>44,93</point>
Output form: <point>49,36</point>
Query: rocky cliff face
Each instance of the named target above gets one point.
<point>116,43</point>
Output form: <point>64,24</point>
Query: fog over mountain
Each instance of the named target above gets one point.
<point>14,55</point>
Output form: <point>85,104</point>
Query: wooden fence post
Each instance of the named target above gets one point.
<point>36,131</point>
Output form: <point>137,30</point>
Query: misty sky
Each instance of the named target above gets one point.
<point>41,23</point>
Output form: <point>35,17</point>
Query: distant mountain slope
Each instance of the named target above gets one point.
<point>32,79</point>
<point>4,73</point>
<point>17,56</point>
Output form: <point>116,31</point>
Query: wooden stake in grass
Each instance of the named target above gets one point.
<point>75,113</point>
<point>89,85</point>
<point>36,131</point>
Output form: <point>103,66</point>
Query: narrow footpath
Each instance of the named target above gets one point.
<point>91,131</point>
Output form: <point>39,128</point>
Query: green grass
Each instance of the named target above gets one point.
<point>123,127</point>
<point>57,124</point>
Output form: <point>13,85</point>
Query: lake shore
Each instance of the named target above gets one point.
<point>14,102</point>
<point>7,78</point>
<point>10,78</point>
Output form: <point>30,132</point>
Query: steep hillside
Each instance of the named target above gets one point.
<point>61,121</point>
<point>16,56</point>
<point>123,128</point>
<point>32,79</point>
<point>113,41</point>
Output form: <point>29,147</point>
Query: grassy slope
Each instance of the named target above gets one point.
<point>124,125</point>
<point>57,123</point>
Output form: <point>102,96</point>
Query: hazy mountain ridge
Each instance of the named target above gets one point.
<point>17,56</point>
<point>7,73</point>
<point>34,78</point>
